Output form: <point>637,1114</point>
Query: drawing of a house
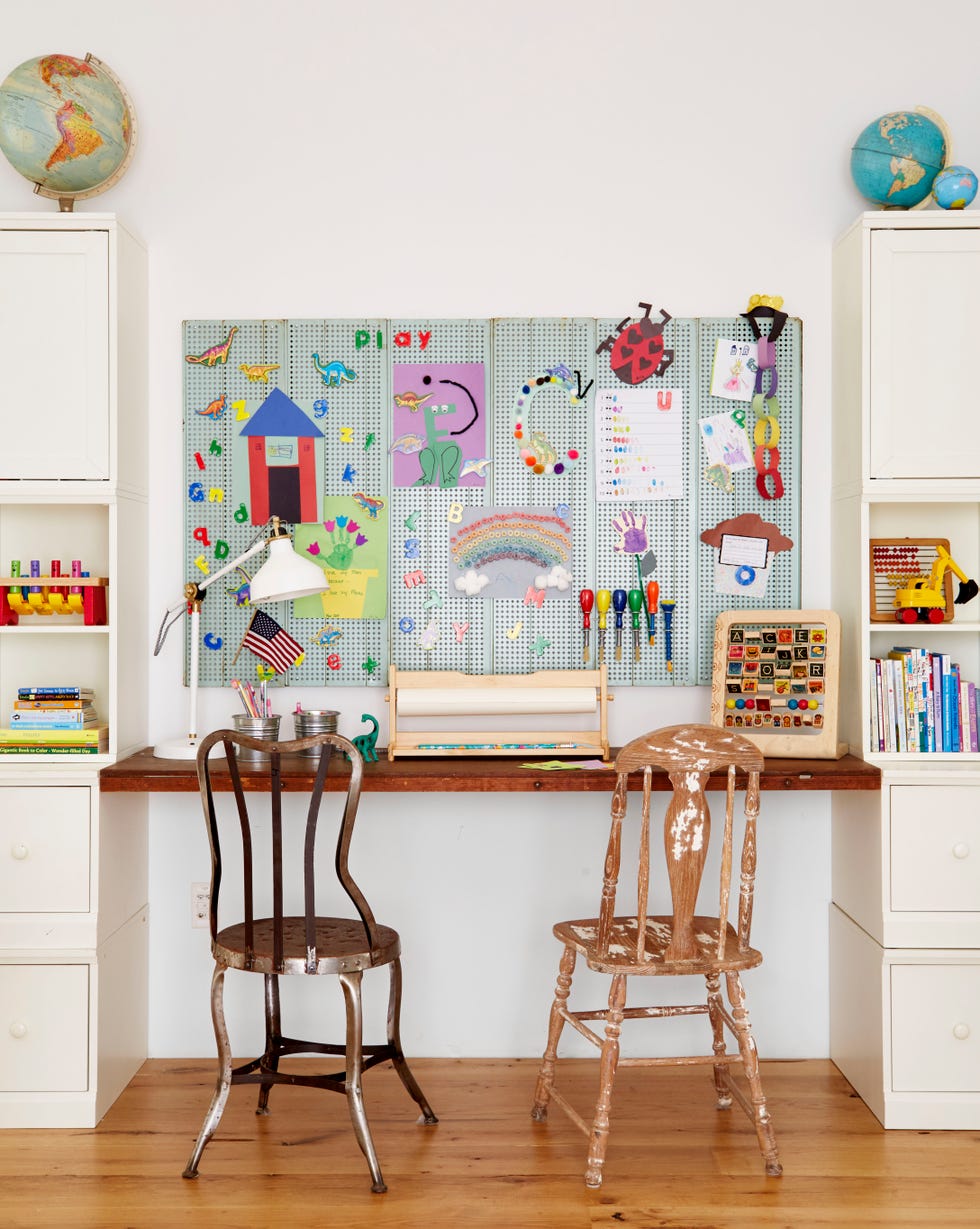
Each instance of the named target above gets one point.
<point>281,443</point>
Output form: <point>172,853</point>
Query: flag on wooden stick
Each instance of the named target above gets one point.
<point>271,643</point>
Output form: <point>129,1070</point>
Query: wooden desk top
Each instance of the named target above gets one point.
<point>142,772</point>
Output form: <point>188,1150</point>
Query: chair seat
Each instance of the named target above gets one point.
<point>341,946</point>
<point>621,958</point>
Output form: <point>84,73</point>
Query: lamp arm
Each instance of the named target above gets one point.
<point>237,562</point>
<point>194,589</point>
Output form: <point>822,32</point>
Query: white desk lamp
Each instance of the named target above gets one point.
<point>283,576</point>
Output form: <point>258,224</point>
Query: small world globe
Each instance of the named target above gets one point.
<point>897,157</point>
<point>954,188</point>
<point>66,125</point>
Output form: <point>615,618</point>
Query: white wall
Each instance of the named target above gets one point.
<point>523,157</point>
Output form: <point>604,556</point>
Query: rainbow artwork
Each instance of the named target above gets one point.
<point>503,552</point>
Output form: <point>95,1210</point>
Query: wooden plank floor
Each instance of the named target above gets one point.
<point>674,1161</point>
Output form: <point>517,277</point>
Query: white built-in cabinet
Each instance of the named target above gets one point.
<point>905,918</point>
<point>73,485</point>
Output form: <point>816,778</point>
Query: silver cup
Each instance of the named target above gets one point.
<point>312,721</point>
<point>256,727</point>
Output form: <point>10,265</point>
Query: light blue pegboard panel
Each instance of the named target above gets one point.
<point>286,348</point>
<point>715,505</point>
<point>429,612</point>
<point>355,443</point>
<point>669,525</point>
<point>524,636</point>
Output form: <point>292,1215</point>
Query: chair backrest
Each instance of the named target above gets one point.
<point>265,780</point>
<point>689,754</point>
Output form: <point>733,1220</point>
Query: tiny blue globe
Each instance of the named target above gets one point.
<point>954,188</point>
<point>896,159</point>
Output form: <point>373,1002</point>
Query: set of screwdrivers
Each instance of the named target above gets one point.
<point>619,600</point>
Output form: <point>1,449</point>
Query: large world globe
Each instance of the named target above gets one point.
<point>896,158</point>
<point>66,125</point>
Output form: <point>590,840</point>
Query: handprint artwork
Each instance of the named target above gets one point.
<point>632,530</point>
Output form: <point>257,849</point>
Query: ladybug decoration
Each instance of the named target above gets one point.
<point>638,352</point>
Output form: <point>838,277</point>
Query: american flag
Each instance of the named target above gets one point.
<point>272,643</point>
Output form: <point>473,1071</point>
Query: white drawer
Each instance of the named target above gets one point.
<point>935,848</point>
<point>935,1027</point>
<point>44,1027</point>
<point>44,849</point>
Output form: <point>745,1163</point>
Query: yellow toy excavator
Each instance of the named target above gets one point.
<point>923,597</point>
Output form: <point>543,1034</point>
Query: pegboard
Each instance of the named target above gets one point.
<point>353,421</point>
<point>715,505</point>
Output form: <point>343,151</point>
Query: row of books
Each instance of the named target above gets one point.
<point>921,703</point>
<point>54,721</point>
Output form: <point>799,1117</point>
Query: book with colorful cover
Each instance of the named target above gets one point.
<point>53,718</point>
<point>94,735</point>
<point>971,716</point>
<point>51,749</point>
<point>33,706</point>
<point>68,692</point>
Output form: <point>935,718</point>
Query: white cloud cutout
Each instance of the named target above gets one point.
<point>558,578</point>
<point>471,583</point>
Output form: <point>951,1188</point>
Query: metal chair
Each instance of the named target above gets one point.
<point>304,945</point>
<point>669,945</point>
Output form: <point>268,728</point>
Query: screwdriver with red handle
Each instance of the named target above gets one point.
<point>586,599</point>
<point>653,597</point>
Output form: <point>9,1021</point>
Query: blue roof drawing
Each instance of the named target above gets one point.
<point>280,415</point>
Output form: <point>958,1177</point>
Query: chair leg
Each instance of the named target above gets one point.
<point>220,1097</point>
<point>556,1022</point>
<point>273,1035</point>
<point>722,1088</point>
<point>395,1041</point>
<point>750,1062</point>
<point>351,983</point>
<point>608,1062</point>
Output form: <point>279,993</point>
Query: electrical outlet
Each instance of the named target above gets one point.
<point>200,903</point>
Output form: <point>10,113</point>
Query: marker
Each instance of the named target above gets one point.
<point>653,596</point>
<point>602,599</point>
<point>619,605</point>
<point>668,608</point>
<point>635,600</point>
<point>586,599</point>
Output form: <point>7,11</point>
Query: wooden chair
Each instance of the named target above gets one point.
<point>669,945</point>
<point>307,944</point>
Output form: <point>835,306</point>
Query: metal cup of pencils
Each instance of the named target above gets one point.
<point>256,727</point>
<point>310,721</point>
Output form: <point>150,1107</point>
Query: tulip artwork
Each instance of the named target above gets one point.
<point>353,557</point>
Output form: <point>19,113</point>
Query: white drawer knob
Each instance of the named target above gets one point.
<point>19,851</point>
<point>961,850</point>
<point>961,1031</point>
<point>18,1029</point>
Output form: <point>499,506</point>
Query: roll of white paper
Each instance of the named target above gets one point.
<point>449,702</point>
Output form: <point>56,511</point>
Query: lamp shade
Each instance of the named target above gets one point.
<point>286,575</point>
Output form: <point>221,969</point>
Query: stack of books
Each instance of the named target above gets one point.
<point>921,703</point>
<point>54,721</point>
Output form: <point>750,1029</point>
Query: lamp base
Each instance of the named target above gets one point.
<point>180,748</point>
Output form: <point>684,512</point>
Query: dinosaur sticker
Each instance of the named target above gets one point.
<point>333,373</point>
<point>214,354</point>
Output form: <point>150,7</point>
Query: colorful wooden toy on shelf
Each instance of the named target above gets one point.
<point>85,596</point>
<point>924,598</point>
